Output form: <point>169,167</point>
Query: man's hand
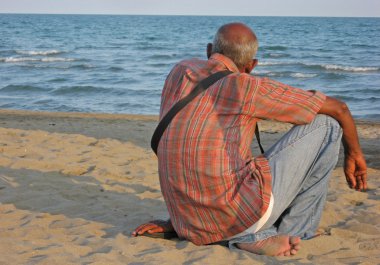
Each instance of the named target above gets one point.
<point>355,169</point>
<point>155,226</point>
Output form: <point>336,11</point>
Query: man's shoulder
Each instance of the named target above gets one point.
<point>190,62</point>
<point>246,78</point>
<point>190,67</point>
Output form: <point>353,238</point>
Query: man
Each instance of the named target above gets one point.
<point>213,188</point>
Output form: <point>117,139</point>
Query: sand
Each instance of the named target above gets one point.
<point>73,186</point>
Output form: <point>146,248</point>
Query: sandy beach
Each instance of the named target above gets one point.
<point>73,186</point>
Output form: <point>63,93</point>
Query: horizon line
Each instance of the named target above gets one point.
<point>189,15</point>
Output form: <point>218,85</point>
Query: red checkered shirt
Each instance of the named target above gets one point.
<point>212,185</point>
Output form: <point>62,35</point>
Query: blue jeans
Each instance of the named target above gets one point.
<point>301,163</point>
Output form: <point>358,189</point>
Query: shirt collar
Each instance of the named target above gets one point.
<point>224,60</point>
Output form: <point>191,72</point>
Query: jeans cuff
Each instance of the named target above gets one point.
<point>252,238</point>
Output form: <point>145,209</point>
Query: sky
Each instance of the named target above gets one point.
<point>335,8</point>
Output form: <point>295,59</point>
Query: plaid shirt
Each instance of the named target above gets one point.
<point>212,185</point>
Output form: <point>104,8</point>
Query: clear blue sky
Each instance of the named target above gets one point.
<point>351,8</point>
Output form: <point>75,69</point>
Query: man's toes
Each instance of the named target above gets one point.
<point>296,247</point>
<point>294,240</point>
<point>287,253</point>
<point>293,251</point>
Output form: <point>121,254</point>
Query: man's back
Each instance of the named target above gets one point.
<point>205,161</point>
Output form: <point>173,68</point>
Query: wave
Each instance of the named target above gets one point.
<point>331,67</point>
<point>67,90</point>
<point>57,66</point>
<point>56,59</point>
<point>21,88</point>
<point>365,91</point>
<point>49,52</point>
<point>29,59</point>
<point>116,69</point>
<point>43,101</point>
<point>127,81</point>
<point>83,66</point>
<point>286,74</point>
<point>16,60</point>
<point>341,68</point>
<point>58,79</point>
<point>303,75</point>
<point>162,56</point>
<point>271,63</point>
<point>131,107</point>
<point>278,55</point>
<point>374,117</point>
<point>350,68</point>
<point>275,48</point>
<point>370,99</point>
<point>335,76</point>
<point>367,46</point>
<point>96,91</point>
<point>149,46</point>
<point>163,64</point>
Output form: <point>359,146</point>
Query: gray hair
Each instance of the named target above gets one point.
<point>239,52</point>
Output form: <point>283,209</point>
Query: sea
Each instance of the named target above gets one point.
<point>118,63</point>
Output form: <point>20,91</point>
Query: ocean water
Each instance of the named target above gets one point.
<point>118,64</point>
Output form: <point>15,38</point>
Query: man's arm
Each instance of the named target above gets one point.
<point>355,167</point>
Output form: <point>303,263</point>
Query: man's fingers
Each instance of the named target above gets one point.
<point>155,226</point>
<point>150,228</point>
<point>155,230</point>
<point>360,172</point>
<point>351,180</point>
<point>144,228</point>
<point>137,229</point>
<point>362,182</point>
<point>147,228</point>
<point>359,185</point>
<point>364,177</point>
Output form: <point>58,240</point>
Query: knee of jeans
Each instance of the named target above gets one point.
<point>331,123</point>
<point>321,118</point>
<point>334,124</point>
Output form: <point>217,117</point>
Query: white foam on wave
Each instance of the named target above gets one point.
<point>49,52</point>
<point>335,67</point>
<point>269,63</point>
<point>278,55</point>
<point>302,75</point>
<point>350,68</point>
<point>18,59</point>
<point>52,59</point>
<point>29,59</point>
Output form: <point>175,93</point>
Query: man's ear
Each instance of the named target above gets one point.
<point>254,63</point>
<point>249,66</point>
<point>209,50</point>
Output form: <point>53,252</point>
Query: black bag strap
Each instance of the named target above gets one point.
<point>164,123</point>
<point>257,133</point>
<point>202,86</point>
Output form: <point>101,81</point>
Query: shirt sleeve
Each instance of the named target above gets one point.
<point>170,91</point>
<point>280,102</point>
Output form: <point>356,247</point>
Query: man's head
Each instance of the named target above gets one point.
<point>238,42</point>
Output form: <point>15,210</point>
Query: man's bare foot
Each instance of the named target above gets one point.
<point>280,245</point>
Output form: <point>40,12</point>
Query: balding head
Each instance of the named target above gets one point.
<point>237,42</point>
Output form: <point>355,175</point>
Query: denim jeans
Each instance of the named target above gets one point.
<point>301,163</point>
